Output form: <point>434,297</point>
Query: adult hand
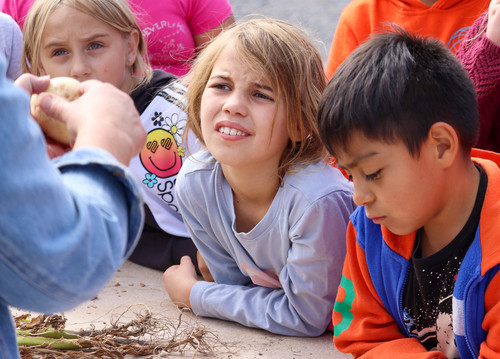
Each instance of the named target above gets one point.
<point>32,84</point>
<point>103,116</point>
<point>179,280</point>
<point>35,85</point>
<point>493,29</point>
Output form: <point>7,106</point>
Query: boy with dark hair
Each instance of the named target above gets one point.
<point>420,277</point>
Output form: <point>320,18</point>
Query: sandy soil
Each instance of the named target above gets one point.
<point>135,288</point>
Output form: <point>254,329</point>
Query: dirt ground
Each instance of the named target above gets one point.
<point>136,289</point>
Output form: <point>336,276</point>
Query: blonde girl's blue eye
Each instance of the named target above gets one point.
<point>59,52</point>
<point>95,46</point>
<point>221,87</point>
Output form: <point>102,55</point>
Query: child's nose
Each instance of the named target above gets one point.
<point>80,68</point>
<point>362,195</point>
<point>235,104</point>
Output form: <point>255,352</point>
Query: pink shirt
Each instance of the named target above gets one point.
<point>17,9</point>
<point>169,26</point>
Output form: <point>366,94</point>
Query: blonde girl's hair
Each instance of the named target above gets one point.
<point>290,62</point>
<point>115,13</point>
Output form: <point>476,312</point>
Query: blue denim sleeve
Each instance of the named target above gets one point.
<point>65,226</point>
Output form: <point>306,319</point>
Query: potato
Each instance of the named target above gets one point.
<point>66,87</point>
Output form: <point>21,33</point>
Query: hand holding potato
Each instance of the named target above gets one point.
<point>65,87</point>
<point>101,116</point>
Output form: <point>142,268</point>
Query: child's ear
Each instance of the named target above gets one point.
<point>444,143</point>
<point>132,46</point>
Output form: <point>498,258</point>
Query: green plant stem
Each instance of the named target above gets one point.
<point>56,334</point>
<point>49,343</point>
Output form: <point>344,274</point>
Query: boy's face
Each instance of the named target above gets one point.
<point>399,191</point>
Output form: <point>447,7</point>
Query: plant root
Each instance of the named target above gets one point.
<point>44,337</point>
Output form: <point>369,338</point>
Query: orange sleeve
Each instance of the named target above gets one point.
<point>490,348</point>
<point>343,43</point>
<point>362,325</point>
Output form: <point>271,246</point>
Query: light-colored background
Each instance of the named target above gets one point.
<point>319,17</point>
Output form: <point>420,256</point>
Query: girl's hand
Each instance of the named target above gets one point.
<point>202,266</point>
<point>91,123</point>
<point>179,280</point>
<point>493,29</point>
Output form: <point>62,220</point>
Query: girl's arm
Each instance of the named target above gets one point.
<point>202,40</point>
<point>493,29</point>
<point>207,19</point>
<point>309,277</point>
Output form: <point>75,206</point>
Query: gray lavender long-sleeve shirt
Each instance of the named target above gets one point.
<point>283,275</point>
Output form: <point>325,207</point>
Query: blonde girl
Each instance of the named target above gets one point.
<point>100,39</point>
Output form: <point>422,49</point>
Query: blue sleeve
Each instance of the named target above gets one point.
<point>65,226</point>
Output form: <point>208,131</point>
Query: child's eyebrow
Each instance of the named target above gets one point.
<point>96,36</point>
<point>258,85</point>
<point>219,77</point>
<point>354,163</point>
<point>263,86</point>
<point>56,42</point>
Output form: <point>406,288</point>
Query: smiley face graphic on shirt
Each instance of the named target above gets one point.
<point>160,155</point>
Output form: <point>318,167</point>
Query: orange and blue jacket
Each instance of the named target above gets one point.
<point>368,314</point>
